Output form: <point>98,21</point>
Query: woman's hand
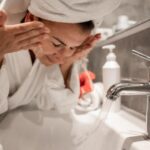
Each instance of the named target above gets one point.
<point>83,50</point>
<point>20,36</point>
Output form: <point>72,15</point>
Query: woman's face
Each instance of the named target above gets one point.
<point>64,39</point>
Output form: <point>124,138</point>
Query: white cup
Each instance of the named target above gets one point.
<point>123,22</point>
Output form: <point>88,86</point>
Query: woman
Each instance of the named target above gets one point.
<point>47,75</point>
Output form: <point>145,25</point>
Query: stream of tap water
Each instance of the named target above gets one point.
<point>106,109</point>
<point>102,116</point>
<point>104,113</point>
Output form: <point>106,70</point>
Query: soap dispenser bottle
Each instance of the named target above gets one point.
<point>111,74</point>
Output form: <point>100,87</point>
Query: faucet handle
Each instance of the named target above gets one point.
<point>145,57</point>
<point>137,53</point>
<point>129,80</point>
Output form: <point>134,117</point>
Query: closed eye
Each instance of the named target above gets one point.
<point>57,45</point>
<point>61,46</point>
<point>73,48</point>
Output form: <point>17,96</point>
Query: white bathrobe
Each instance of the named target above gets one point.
<point>22,83</point>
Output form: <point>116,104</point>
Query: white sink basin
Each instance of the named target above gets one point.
<point>36,130</point>
<point>142,145</point>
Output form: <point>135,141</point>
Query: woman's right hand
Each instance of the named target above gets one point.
<point>20,36</point>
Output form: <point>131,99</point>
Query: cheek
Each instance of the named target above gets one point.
<point>67,53</point>
<point>70,54</point>
<point>48,49</point>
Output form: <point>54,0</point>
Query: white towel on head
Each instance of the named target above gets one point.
<point>15,9</point>
<point>68,11</point>
<point>72,11</point>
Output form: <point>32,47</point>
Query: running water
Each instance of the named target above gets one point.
<point>104,112</point>
<point>106,108</point>
<point>103,115</point>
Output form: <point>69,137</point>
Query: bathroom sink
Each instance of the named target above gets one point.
<point>117,132</point>
<point>36,130</point>
<point>141,145</point>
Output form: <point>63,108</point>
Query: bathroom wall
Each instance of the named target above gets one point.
<point>131,66</point>
<point>137,10</point>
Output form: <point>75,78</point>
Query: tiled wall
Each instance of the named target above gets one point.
<point>131,66</point>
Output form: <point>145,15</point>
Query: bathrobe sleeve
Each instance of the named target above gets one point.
<point>19,80</point>
<point>4,88</point>
<point>56,95</point>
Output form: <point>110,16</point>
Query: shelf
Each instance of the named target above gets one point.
<point>141,26</point>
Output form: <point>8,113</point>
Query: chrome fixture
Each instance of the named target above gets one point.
<point>133,88</point>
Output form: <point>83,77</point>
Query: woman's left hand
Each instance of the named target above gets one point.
<point>83,50</point>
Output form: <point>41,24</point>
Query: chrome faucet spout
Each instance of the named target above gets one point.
<point>134,88</point>
<point>128,88</point>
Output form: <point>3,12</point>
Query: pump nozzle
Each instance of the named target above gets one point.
<point>111,55</point>
<point>110,47</point>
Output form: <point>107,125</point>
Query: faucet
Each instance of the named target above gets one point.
<point>128,88</point>
<point>133,88</point>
